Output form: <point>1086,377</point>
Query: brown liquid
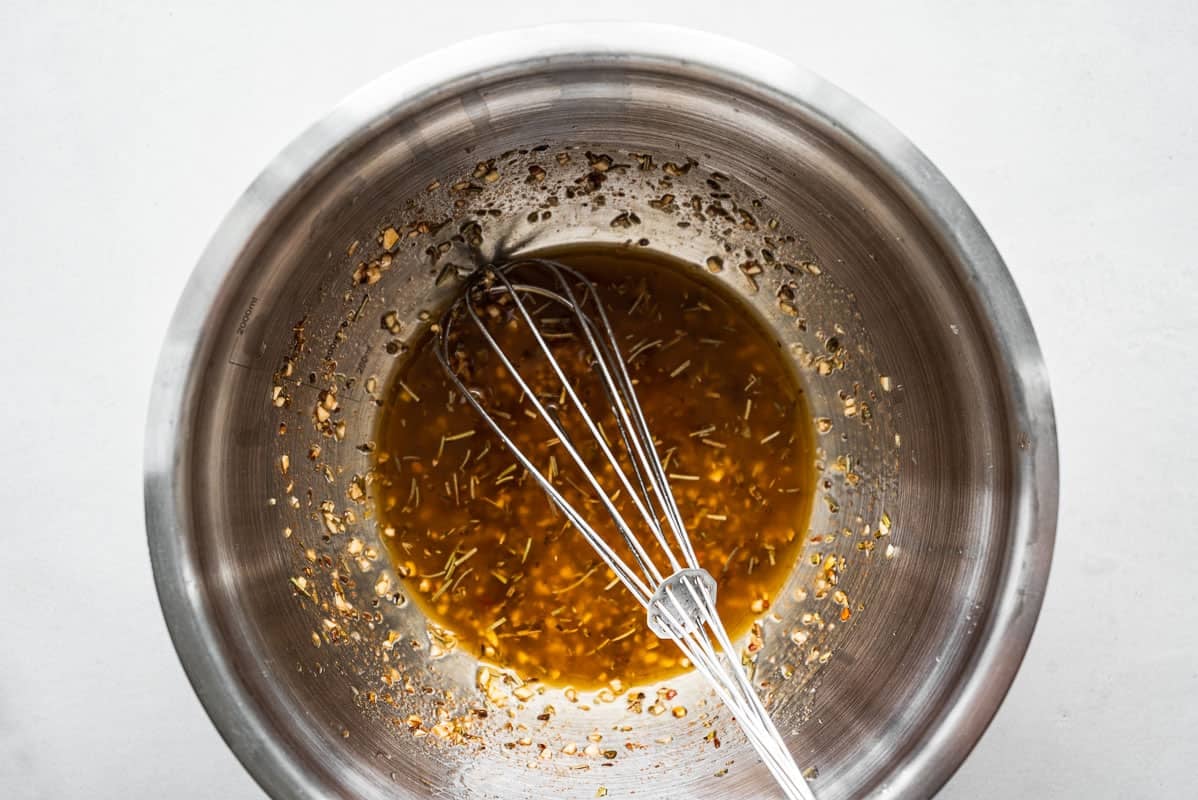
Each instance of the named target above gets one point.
<point>493,562</point>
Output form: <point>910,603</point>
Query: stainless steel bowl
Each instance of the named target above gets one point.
<point>934,390</point>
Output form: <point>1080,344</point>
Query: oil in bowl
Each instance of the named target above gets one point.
<point>491,561</point>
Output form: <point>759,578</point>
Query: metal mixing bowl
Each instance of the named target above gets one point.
<point>878,280</point>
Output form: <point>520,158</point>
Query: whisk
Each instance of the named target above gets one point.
<point>678,594</point>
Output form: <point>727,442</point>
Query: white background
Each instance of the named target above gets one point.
<point>127,131</point>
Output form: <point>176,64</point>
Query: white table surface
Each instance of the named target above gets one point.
<point>127,130</point>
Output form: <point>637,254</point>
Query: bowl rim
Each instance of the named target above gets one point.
<point>923,768</point>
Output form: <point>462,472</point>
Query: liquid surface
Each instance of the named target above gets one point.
<point>497,567</point>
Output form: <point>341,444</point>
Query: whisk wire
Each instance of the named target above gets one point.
<point>618,565</point>
<point>618,389</point>
<point>620,397</point>
<point>588,419</point>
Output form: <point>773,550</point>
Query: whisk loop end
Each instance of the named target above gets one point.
<point>682,604</point>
